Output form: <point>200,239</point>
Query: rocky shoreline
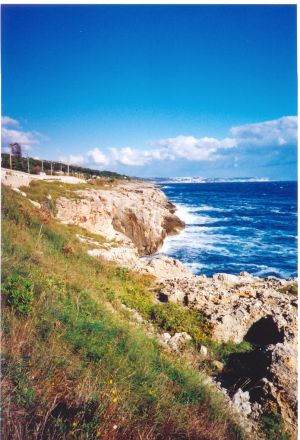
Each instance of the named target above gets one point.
<point>135,218</point>
<point>262,311</point>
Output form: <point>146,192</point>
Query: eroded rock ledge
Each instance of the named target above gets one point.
<point>262,312</point>
<point>135,213</point>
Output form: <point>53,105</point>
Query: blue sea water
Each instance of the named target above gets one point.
<point>234,227</point>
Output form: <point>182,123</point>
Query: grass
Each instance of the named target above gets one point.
<point>274,427</point>
<point>72,367</point>
<point>291,289</point>
<point>47,193</point>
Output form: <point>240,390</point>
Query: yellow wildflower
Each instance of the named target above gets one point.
<point>110,381</point>
<point>113,391</point>
<point>115,399</point>
<point>74,424</point>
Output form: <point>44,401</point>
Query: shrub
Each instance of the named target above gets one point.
<point>173,318</point>
<point>19,293</point>
<point>273,427</point>
<point>68,249</point>
<point>23,392</point>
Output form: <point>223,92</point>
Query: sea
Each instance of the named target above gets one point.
<point>233,227</point>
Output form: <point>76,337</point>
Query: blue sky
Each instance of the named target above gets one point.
<point>154,90</point>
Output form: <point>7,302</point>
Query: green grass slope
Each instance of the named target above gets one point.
<point>73,365</point>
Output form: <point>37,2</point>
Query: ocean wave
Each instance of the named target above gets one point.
<point>272,271</point>
<point>210,208</point>
<point>194,267</point>
<point>231,230</point>
<point>187,214</point>
<point>193,245</point>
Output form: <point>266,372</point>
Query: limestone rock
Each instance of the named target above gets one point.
<point>258,310</point>
<point>162,268</point>
<point>203,351</point>
<point>133,211</point>
<point>241,401</point>
<point>20,192</point>
<point>175,342</point>
<point>124,256</point>
<point>34,203</point>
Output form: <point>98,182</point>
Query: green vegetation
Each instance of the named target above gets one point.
<point>48,192</point>
<point>223,351</point>
<point>35,165</point>
<point>19,293</point>
<point>73,365</point>
<point>274,427</point>
<point>291,289</point>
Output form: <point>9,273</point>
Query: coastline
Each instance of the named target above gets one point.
<point>135,218</point>
<point>236,227</point>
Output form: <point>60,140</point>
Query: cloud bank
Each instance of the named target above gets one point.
<point>9,135</point>
<point>275,133</point>
<point>268,138</point>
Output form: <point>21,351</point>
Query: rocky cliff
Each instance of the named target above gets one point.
<point>134,213</point>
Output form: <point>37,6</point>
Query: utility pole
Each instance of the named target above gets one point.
<point>10,161</point>
<point>68,169</point>
<point>28,166</point>
<point>51,167</point>
<point>42,165</point>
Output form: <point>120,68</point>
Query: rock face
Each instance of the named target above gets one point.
<point>162,268</point>
<point>262,312</point>
<point>132,212</point>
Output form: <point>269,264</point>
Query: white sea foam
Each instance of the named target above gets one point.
<point>194,238</point>
<point>266,270</point>
<point>211,208</point>
<point>195,267</point>
<point>187,214</point>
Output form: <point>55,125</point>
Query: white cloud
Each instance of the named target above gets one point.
<point>9,135</point>
<point>130,156</point>
<point>98,157</point>
<point>72,159</point>
<point>6,120</point>
<point>192,148</point>
<point>277,132</point>
<point>26,138</point>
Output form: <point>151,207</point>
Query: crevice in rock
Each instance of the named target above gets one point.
<point>162,297</point>
<point>264,332</point>
<point>246,370</point>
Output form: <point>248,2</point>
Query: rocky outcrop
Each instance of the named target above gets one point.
<point>134,213</point>
<point>233,303</point>
<point>262,312</point>
<point>162,268</point>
